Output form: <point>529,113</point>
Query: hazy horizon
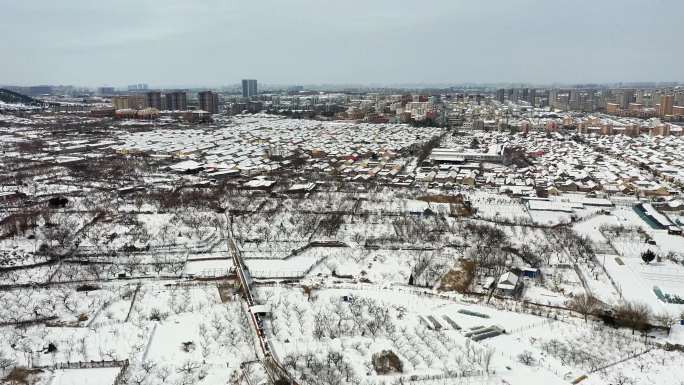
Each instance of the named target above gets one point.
<point>370,86</point>
<point>381,43</point>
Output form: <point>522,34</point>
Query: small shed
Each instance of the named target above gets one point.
<point>507,283</point>
<point>260,309</point>
<point>187,167</point>
<point>530,272</point>
<point>301,188</point>
<point>674,230</point>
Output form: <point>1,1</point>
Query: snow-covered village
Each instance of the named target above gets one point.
<point>308,192</point>
<point>261,249</point>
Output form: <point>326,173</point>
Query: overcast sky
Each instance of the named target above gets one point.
<point>218,42</point>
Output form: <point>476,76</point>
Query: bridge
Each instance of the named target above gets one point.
<point>275,369</point>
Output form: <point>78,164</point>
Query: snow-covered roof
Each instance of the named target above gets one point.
<point>507,281</point>
<point>186,165</point>
<point>260,309</point>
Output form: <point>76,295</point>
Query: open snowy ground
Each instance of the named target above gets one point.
<point>573,348</point>
<point>95,376</point>
<point>637,281</point>
<point>377,319</point>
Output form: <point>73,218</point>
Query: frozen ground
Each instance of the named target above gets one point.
<point>96,376</point>
<point>570,350</point>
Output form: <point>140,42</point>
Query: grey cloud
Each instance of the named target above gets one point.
<point>215,42</point>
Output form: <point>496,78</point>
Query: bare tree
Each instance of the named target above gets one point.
<point>487,356</point>
<point>66,296</point>
<point>665,320</point>
<point>138,378</point>
<point>83,347</point>
<point>133,264</point>
<point>526,358</point>
<point>584,304</point>
<point>139,201</point>
<point>61,232</point>
<point>373,327</point>
<point>158,264</point>
<point>176,265</point>
<point>633,315</point>
<point>188,367</point>
<point>163,373</point>
<point>148,366</point>
<point>5,362</point>
<point>621,379</point>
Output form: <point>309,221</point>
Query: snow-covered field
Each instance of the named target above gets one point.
<point>571,349</point>
<point>373,320</point>
<point>95,376</point>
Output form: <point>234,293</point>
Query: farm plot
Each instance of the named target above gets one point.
<point>173,334</point>
<point>39,274</point>
<point>498,207</point>
<point>116,311</point>
<point>590,227</point>
<point>258,249</point>
<point>360,230</point>
<point>163,232</point>
<point>275,227</point>
<point>659,284</point>
<point>598,283</point>
<point>668,243</point>
<point>549,218</point>
<point>155,302</point>
<point>471,316</point>
<point>632,247</point>
<point>396,206</point>
<point>62,304</point>
<point>626,216</point>
<point>95,376</point>
<point>207,345</point>
<point>295,266</point>
<point>386,266</point>
<point>630,283</point>
<point>655,367</point>
<point>572,349</point>
<point>553,293</point>
<point>349,327</point>
<point>328,201</point>
<point>208,267</point>
<point>31,346</point>
<point>523,235</point>
<point>665,279</point>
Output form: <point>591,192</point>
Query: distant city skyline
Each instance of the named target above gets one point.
<point>214,43</point>
<point>328,86</point>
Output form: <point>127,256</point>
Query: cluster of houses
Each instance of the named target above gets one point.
<point>252,145</point>
<point>551,163</point>
<point>611,125</point>
<point>596,124</point>
<point>255,144</point>
<point>645,166</point>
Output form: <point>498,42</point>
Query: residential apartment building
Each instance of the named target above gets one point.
<point>176,101</point>
<point>666,104</point>
<point>208,101</point>
<point>249,88</point>
<point>154,99</point>
<point>135,102</point>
